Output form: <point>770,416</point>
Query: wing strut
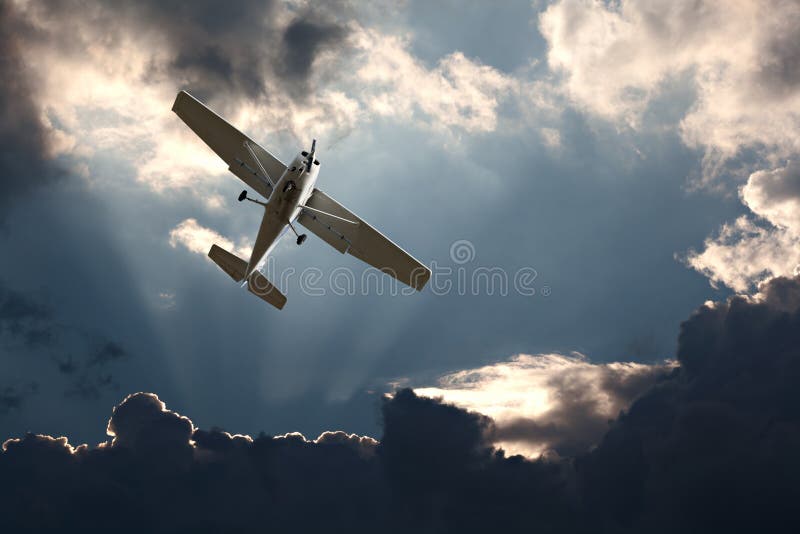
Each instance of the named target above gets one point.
<point>258,162</point>
<point>329,215</point>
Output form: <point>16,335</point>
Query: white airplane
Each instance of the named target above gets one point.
<point>290,197</point>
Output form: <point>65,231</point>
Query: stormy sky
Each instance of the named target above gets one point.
<point>609,193</point>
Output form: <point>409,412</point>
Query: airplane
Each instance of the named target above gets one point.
<point>290,197</point>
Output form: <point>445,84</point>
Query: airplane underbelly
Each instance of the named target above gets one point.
<point>280,210</point>
<point>290,204</point>
<point>270,230</point>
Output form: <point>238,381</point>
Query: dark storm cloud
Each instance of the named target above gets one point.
<point>246,47</point>
<point>23,162</point>
<point>713,447</point>
<point>444,475</point>
<point>433,470</point>
<point>302,41</point>
<point>710,448</point>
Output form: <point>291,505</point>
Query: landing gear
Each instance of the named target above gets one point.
<point>243,196</point>
<point>289,186</point>
<point>300,237</point>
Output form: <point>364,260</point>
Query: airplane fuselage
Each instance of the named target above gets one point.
<point>284,206</point>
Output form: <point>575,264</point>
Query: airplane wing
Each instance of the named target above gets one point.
<point>230,144</point>
<point>346,232</point>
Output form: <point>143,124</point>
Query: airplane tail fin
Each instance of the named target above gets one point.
<point>257,283</point>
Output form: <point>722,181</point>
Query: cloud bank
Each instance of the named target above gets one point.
<point>709,447</point>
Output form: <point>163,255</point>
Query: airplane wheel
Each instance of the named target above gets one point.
<point>301,238</point>
<point>242,195</point>
<point>289,186</point>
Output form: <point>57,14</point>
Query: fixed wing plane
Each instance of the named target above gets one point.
<point>290,196</point>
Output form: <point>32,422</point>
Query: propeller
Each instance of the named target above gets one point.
<point>310,158</point>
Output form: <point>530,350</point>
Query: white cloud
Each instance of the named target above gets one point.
<point>198,239</point>
<point>743,60</point>
<point>745,254</point>
<point>457,92</point>
<point>547,401</point>
<point>615,57</point>
<point>775,196</point>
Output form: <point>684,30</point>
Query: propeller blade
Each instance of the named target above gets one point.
<point>310,158</point>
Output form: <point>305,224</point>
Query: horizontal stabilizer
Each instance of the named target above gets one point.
<point>257,284</point>
<point>231,264</point>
